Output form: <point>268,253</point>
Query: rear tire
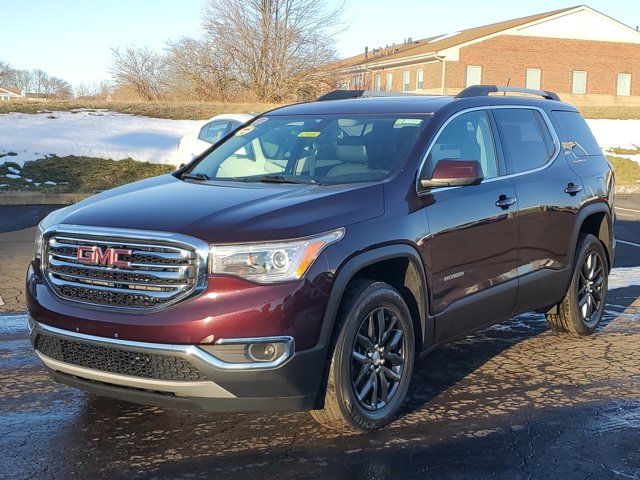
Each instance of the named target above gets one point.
<point>581,310</point>
<point>372,359</point>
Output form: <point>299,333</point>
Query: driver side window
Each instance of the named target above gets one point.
<point>466,137</point>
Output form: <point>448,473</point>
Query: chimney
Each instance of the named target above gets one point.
<point>366,52</point>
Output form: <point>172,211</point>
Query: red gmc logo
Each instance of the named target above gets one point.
<point>109,256</point>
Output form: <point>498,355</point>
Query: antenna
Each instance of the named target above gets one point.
<point>508,82</point>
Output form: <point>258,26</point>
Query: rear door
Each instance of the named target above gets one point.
<point>549,196</point>
<point>583,154</point>
<point>472,249</point>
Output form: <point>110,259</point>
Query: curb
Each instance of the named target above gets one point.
<point>34,198</point>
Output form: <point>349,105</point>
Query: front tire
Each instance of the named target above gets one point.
<point>372,359</point>
<point>582,308</point>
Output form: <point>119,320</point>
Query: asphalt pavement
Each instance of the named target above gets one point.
<point>515,401</point>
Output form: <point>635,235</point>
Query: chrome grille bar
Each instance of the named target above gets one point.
<point>181,272</point>
<point>158,269</point>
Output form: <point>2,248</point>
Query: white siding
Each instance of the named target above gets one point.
<point>584,24</point>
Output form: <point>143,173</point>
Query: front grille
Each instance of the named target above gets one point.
<point>159,272</point>
<point>118,361</point>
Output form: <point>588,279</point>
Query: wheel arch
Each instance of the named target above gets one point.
<point>401,266</point>
<point>594,219</point>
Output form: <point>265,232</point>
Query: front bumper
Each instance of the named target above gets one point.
<point>179,376</point>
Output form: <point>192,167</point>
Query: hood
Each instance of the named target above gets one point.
<point>226,211</point>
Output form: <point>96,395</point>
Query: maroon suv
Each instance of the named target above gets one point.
<point>308,258</point>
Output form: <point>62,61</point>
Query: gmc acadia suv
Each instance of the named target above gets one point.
<point>308,258</point>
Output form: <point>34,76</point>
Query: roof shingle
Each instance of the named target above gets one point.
<point>440,42</point>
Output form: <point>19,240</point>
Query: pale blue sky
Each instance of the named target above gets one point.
<point>72,39</point>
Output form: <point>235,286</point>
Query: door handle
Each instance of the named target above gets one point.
<point>505,202</point>
<point>572,189</point>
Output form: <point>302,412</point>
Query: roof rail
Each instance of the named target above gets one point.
<point>345,94</point>
<point>484,90</point>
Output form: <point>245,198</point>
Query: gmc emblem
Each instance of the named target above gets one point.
<point>109,257</point>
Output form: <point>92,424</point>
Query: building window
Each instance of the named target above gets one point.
<point>378,83</point>
<point>579,83</point>
<point>474,75</point>
<point>532,79</point>
<point>623,84</point>
<point>406,81</point>
<point>420,80</point>
<point>389,82</point>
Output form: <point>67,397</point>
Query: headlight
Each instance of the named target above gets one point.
<point>270,262</point>
<point>37,248</point>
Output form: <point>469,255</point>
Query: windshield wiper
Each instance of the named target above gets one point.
<point>195,176</point>
<point>282,179</point>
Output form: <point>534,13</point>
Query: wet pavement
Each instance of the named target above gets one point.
<point>515,401</point>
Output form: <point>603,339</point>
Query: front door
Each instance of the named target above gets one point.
<point>471,251</point>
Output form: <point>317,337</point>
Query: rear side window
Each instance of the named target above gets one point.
<point>575,129</point>
<point>523,144</point>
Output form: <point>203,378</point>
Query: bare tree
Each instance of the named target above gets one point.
<point>58,88</point>
<point>22,80</point>
<point>39,82</point>
<point>92,90</point>
<point>140,69</point>
<point>278,48</point>
<point>198,70</point>
<point>6,74</point>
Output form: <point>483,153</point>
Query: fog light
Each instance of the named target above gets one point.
<point>239,353</point>
<point>261,352</point>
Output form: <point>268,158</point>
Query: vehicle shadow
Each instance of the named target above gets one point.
<point>545,447</point>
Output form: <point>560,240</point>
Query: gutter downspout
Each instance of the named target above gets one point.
<point>443,76</point>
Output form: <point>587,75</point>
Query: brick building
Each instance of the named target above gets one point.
<point>578,52</point>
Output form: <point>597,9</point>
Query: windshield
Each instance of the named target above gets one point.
<point>313,149</point>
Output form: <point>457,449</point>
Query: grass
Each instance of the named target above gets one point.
<point>172,110</point>
<point>205,110</point>
<point>612,112</point>
<point>625,151</point>
<point>78,174</point>
<point>627,171</point>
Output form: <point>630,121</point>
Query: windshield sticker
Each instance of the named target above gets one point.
<point>308,134</point>
<point>260,121</point>
<point>245,130</point>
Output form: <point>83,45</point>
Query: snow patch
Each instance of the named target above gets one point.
<point>624,277</point>
<point>616,133</point>
<point>112,135</point>
<point>100,134</point>
<point>13,176</point>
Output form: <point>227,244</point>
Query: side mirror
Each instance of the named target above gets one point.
<point>454,173</point>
